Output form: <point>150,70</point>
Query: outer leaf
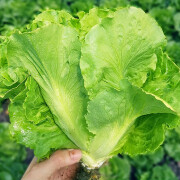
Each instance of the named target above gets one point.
<point>116,112</point>
<point>12,76</point>
<point>164,82</point>
<point>132,52</point>
<point>32,123</point>
<point>53,61</point>
<point>147,134</point>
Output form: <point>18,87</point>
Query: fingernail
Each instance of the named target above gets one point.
<point>75,154</point>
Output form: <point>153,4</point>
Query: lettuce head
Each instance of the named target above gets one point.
<point>100,83</point>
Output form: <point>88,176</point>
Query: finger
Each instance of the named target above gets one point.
<point>61,159</point>
<point>57,161</point>
<point>33,162</point>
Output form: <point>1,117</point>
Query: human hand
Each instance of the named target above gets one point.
<point>62,165</point>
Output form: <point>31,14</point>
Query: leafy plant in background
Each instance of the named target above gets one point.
<point>113,3</point>
<point>145,163</point>
<point>173,49</point>
<point>17,13</point>
<point>172,145</point>
<point>158,173</point>
<point>117,168</point>
<point>153,166</point>
<point>12,156</point>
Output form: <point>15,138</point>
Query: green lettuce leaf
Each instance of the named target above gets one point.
<point>134,120</point>
<point>32,123</point>
<point>54,63</point>
<point>12,75</point>
<point>164,82</point>
<point>118,48</point>
<point>147,133</point>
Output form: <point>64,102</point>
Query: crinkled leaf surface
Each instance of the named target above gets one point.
<point>146,134</point>
<point>115,50</point>
<point>164,82</point>
<point>120,47</point>
<point>12,76</point>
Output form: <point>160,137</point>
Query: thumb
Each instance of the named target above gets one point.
<point>58,160</point>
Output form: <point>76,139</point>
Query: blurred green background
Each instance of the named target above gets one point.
<point>164,163</point>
